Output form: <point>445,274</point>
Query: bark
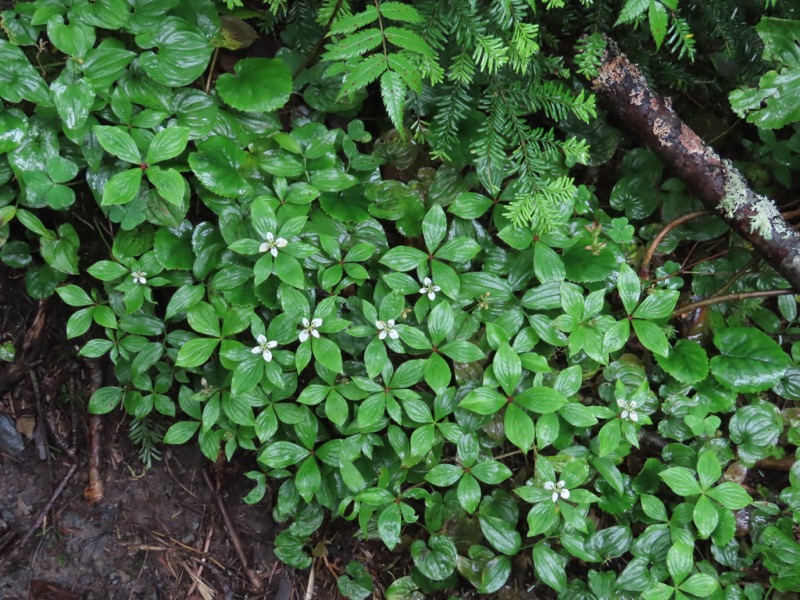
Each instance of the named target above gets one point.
<point>643,113</point>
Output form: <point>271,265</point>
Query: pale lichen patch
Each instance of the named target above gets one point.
<point>765,220</point>
<point>661,129</point>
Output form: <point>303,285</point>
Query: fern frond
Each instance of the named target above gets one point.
<point>347,23</point>
<point>393,92</point>
<point>633,10</point>
<point>681,40</point>
<point>353,46</point>
<point>363,72</point>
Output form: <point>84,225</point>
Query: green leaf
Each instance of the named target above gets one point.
<point>122,187</point>
<point>700,584</point>
<point>519,427</point>
<point>74,296</point>
<point>79,323</point>
<point>167,143</point>
<point>280,455</point>
<point>469,493</point>
<point>435,559</point>
<point>462,351</point>
<point>681,481</point>
<point>658,22</point>
<point>507,368</point>
<point>183,52</point>
<point>483,401</point>
<point>169,183</point>
<point>705,517</point>
<point>651,336</point>
<point>470,205</point>
<point>444,475</point>
<point>107,270</point>
<point>73,102</point>
<point>403,258</point>
<point>654,508</point>
<point>708,469</point>
<point>659,304</point>
<point>549,567</point>
<point>680,561</point>
<point>609,437</point>
<point>749,360</point>
<point>117,142</point>
<point>434,227</point>
<point>196,352</point>
<point>332,180</point>
<point>731,495</point>
<point>308,478</point>
<point>458,250</point>
<point>105,400</point>
<point>216,165</point>
<point>687,361</point>
<point>260,85</point>
<point>440,322</point>
<point>491,472</point>
<point>629,288</point>
<point>181,432</point>
<point>327,354</point>
<point>755,429</point>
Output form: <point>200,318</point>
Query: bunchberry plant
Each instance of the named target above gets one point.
<point>399,263</point>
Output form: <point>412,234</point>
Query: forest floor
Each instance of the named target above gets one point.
<point>155,534</point>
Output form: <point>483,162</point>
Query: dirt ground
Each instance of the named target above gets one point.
<point>155,535</point>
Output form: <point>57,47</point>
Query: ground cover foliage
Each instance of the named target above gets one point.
<point>391,249</point>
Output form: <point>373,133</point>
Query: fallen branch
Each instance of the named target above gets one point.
<point>94,488</point>
<point>714,180</point>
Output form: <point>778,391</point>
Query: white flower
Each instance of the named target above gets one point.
<point>428,289</point>
<point>139,277</point>
<point>310,328</point>
<point>628,410</point>
<point>272,244</point>
<point>558,489</point>
<point>263,347</point>
<point>387,328</point>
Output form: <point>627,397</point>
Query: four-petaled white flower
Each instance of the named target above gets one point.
<point>272,244</point>
<point>387,328</point>
<point>264,346</point>
<point>558,489</point>
<point>139,277</point>
<point>428,289</point>
<point>628,410</point>
<point>310,328</point>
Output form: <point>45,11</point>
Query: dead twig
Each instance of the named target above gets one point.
<point>644,271</point>
<point>199,572</point>
<point>43,513</point>
<point>233,535</point>
<point>730,298</point>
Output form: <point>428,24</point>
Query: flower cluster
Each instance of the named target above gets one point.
<point>272,244</point>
